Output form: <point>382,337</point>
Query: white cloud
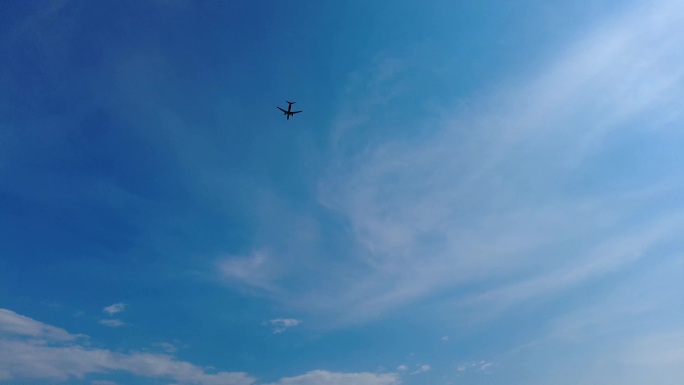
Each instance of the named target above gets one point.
<point>633,358</point>
<point>629,333</point>
<point>14,324</point>
<point>114,323</point>
<point>281,324</point>
<point>480,366</point>
<point>115,308</point>
<point>33,350</point>
<point>322,377</point>
<point>402,368</point>
<point>495,195</point>
<point>520,194</point>
<point>627,309</point>
<point>256,270</point>
<point>605,257</point>
<point>103,382</point>
<point>166,347</point>
<point>23,359</point>
<point>656,350</point>
<point>422,368</point>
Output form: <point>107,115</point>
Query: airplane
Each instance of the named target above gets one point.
<point>289,111</point>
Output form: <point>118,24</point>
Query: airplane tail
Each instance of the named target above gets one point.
<point>291,102</point>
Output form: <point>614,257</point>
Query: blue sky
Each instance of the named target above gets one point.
<point>475,193</point>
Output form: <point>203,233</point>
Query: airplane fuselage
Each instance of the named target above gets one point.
<point>289,111</point>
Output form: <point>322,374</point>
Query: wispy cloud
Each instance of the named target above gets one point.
<point>256,270</point>
<point>422,368</point>
<point>656,350</point>
<point>12,323</point>
<point>323,377</point>
<point>114,323</point>
<point>633,329</point>
<point>32,350</point>
<point>523,192</point>
<point>607,256</point>
<point>166,347</point>
<point>480,366</point>
<point>649,300</point>
<point>279,325</point>
<point>50,353</point>
<point>115,308</point>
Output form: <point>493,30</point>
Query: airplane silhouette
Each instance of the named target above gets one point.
<point>289,111</point>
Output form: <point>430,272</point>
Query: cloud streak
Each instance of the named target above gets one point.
<point>114,323</point>
<point>323,377</point>
<point>12,323</point>
<point>517,192</point>
<point>115,308</point>
<point>33,350</point>
<point>279,325</point>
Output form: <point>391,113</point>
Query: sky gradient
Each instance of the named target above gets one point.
<point>475,193</point>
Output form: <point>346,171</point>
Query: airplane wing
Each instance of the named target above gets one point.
<point>280,109</point>
<point>296,112</point>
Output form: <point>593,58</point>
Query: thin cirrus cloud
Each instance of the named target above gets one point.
<point>279,325</point>
<point>32,350</point>
<point>114,323</point>
<point>112,310</point>
<point>256,270</point>
<point>317,377</point>
<point>479,366</point>
<point>493,189</point>
<point>451,209</point>
<point>115,308</point>
<point>606,257</point>
<point>635,329</point>
<point>103,382</point>
<point>422,368</point>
